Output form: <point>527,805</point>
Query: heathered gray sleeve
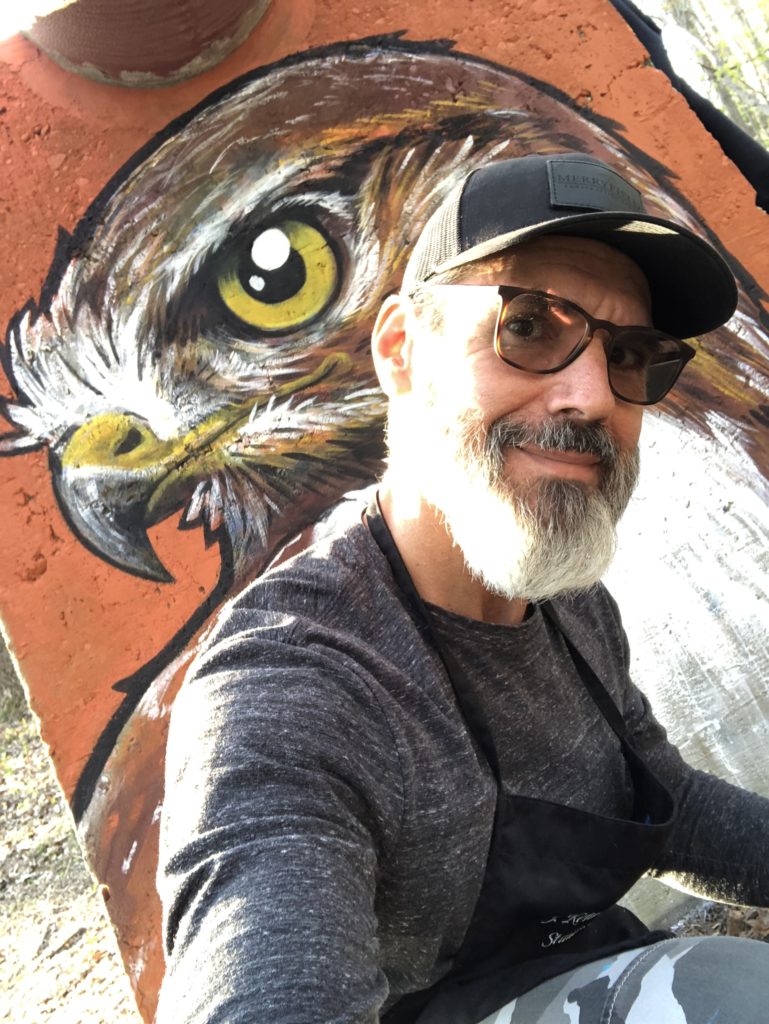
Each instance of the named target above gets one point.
<point>273,828</point>
<point>720,847</point>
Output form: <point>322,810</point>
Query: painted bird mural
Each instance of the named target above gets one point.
<point>201,345</point>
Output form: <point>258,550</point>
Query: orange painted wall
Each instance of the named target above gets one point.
<point>74,624</point>
<point>64,136</point>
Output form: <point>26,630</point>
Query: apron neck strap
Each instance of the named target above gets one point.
<point>592,683</point>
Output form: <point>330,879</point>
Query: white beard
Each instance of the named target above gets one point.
<point>556,538</point>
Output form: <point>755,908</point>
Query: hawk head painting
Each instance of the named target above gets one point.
<point>201,342</point>
<point>201,345</point>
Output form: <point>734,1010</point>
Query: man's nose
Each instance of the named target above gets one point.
<point>582,388</point>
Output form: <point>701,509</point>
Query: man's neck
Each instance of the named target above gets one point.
<point>437,566</point>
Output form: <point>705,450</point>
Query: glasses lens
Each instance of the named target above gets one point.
<point>541,333</point>
<point>644,365</point>
<point>537,333</point>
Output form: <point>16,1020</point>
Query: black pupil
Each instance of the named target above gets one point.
<point>524,326</point>
<point>132,440</point>
<point>274,285</point>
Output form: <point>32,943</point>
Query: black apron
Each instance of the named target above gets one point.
<point>554,873</point>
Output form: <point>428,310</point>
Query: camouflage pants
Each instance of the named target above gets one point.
<point>678,981</point>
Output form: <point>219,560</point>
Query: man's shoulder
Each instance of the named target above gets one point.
<point>337,559</point>
<point>324,629</point>
<point>593,605</point>
<point>330,582</point>
<point>592,621</point>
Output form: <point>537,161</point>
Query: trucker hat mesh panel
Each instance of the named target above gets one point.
<point>438,242</point>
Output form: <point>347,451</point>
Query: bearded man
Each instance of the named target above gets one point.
<point>410,778</point>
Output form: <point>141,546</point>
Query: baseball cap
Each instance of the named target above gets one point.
<point>508,202</point>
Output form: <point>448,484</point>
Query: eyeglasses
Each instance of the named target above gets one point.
<point>543,333</point>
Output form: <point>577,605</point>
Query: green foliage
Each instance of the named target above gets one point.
<point>731,41</point>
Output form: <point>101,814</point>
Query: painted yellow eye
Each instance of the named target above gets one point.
<point>281,278</point>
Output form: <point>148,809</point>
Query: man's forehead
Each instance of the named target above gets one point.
<point>544,262</point>
<point>555,250</point>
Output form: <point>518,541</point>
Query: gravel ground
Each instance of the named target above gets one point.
<point>58,955</point>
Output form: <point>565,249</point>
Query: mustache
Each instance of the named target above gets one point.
<point>555,435</point>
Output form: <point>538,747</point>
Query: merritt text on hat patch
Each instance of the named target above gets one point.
<point>589,185</point>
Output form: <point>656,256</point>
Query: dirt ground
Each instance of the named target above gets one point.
<point>58,956</point>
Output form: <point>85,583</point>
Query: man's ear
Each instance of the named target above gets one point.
<point>391,347</point>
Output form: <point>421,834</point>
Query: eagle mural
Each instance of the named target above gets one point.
<point>201,345</point>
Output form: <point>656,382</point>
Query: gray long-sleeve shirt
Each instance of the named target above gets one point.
<point>327,815</point>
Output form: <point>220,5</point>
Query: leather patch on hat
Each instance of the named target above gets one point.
<point>588,185</point>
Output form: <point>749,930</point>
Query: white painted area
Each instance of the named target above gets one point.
<point>126,865</point>
<point>692,581</point>
<point>271,249</point>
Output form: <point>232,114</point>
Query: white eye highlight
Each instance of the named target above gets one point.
<point>271,249</point>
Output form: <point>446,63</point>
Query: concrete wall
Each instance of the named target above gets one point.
<point>145,478</point>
